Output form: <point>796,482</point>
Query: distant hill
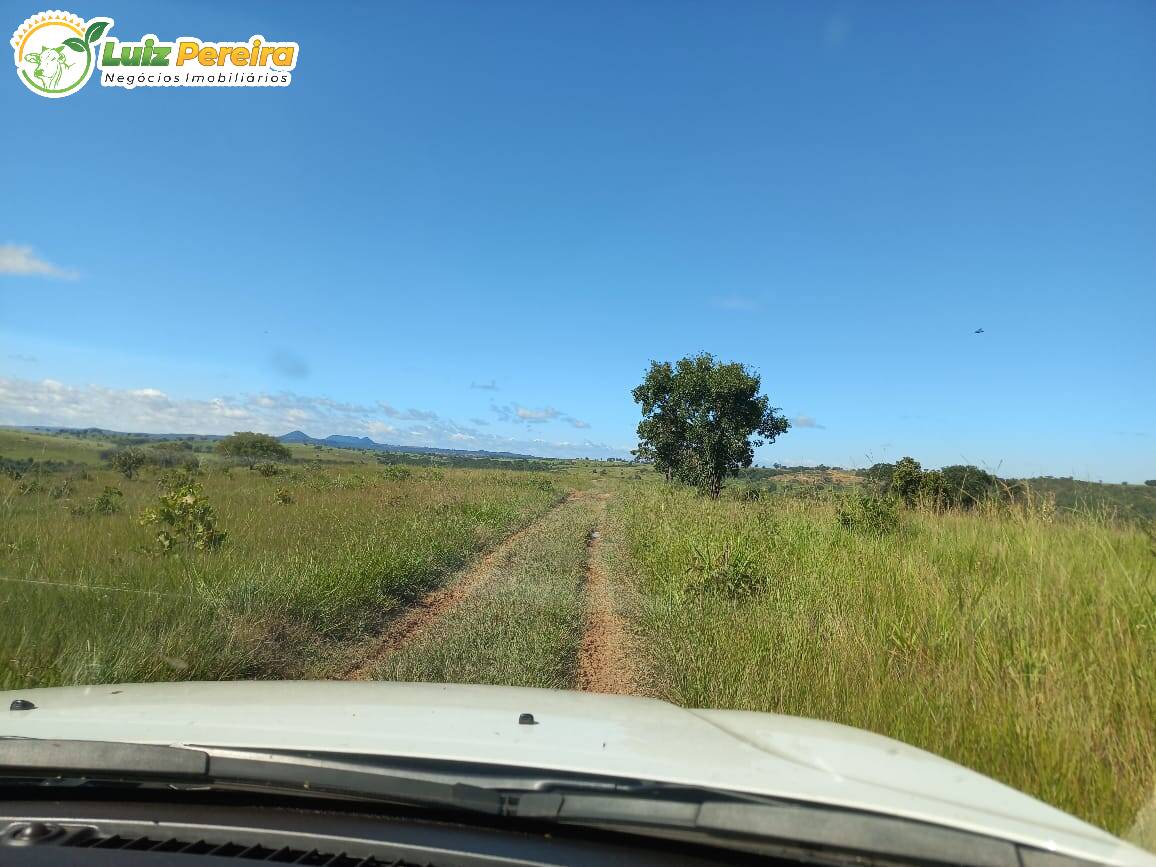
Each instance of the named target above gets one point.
<point>100,433</point>
<point>347,442</point>
<point>300,437</point>
<point>1128,501</point>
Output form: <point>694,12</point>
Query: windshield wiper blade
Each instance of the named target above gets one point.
<point>50,760</point>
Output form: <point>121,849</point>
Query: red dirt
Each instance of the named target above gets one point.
<point>604,656</point>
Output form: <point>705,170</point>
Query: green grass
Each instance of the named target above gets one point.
<point>291,584</point>
<point>21,445</point>
<point>521,628</point>
<point>1019,645</point>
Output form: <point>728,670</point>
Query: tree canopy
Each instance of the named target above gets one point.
<point>253,447</point>
<point>703,419</point>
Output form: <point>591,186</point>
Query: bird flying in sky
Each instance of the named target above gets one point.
<point>979,331</point>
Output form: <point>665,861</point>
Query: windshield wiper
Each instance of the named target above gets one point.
<point>55,762</point>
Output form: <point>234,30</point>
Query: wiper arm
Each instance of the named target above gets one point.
<point>99,760</point>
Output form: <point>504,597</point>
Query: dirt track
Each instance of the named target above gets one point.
<point>431,607</point>
<point>604,656</point>
<point>604,659</point>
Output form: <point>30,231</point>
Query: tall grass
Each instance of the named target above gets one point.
<point>1014,642</point>
<point>87,598</point>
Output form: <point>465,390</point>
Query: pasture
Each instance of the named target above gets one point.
<point>1019,640</point>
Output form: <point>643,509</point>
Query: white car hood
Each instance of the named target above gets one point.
<point>783,756</point>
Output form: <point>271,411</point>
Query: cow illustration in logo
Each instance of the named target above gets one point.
<point>55,51</point>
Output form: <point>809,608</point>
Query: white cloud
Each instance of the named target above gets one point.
<point>23,262</point>
<point>806,421</point>
<point>150,410</point>
<point>536,416</point>
<point>410,414</point>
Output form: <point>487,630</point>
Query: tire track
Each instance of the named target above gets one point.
<point>430,608</point>
<point>604,657</point>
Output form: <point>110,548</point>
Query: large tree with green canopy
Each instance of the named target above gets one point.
<point>702,419</point>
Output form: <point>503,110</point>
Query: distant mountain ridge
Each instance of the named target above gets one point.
<point>347,442</point>
<point>339,441</point>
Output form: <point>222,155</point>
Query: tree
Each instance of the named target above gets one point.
<point>880,476</point>
<point>1150,482</point>
<point>702,420</point>
<point>662,431</point>
<point>127,461</point>
<point>967,485</point>
<point>253,447</point>
<point>906,479</point>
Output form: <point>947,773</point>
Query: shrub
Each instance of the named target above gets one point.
<point>126,461</point>
<point>267,469</point>
<point>396,473</point>
<point>869,514</point>
<point>184,519</point>
<point>107,502</point>
<point>283,496</point>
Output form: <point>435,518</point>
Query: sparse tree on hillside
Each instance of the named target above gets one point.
<point>127,461</point>
<point>906,479</point>
<point>253,447</point>
<point>703,419</point>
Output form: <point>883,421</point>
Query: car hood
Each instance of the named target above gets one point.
<point>760,753</point>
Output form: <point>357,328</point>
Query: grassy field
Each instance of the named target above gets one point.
<point>1019,641</point>
<point>1022,645</point>
<point>89,598</point>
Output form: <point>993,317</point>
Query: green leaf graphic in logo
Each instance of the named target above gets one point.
<point>95,31</point>
<point>75,44</point>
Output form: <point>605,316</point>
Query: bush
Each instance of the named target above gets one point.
<point>185,519</point>
<point>267,469</point>
<point>107,502</point>
<point>284,497</point>
<point>396,473</point>
<point>126,461</point>
<point>869,515</point>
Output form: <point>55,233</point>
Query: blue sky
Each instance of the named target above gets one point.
<point>474,224</point>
